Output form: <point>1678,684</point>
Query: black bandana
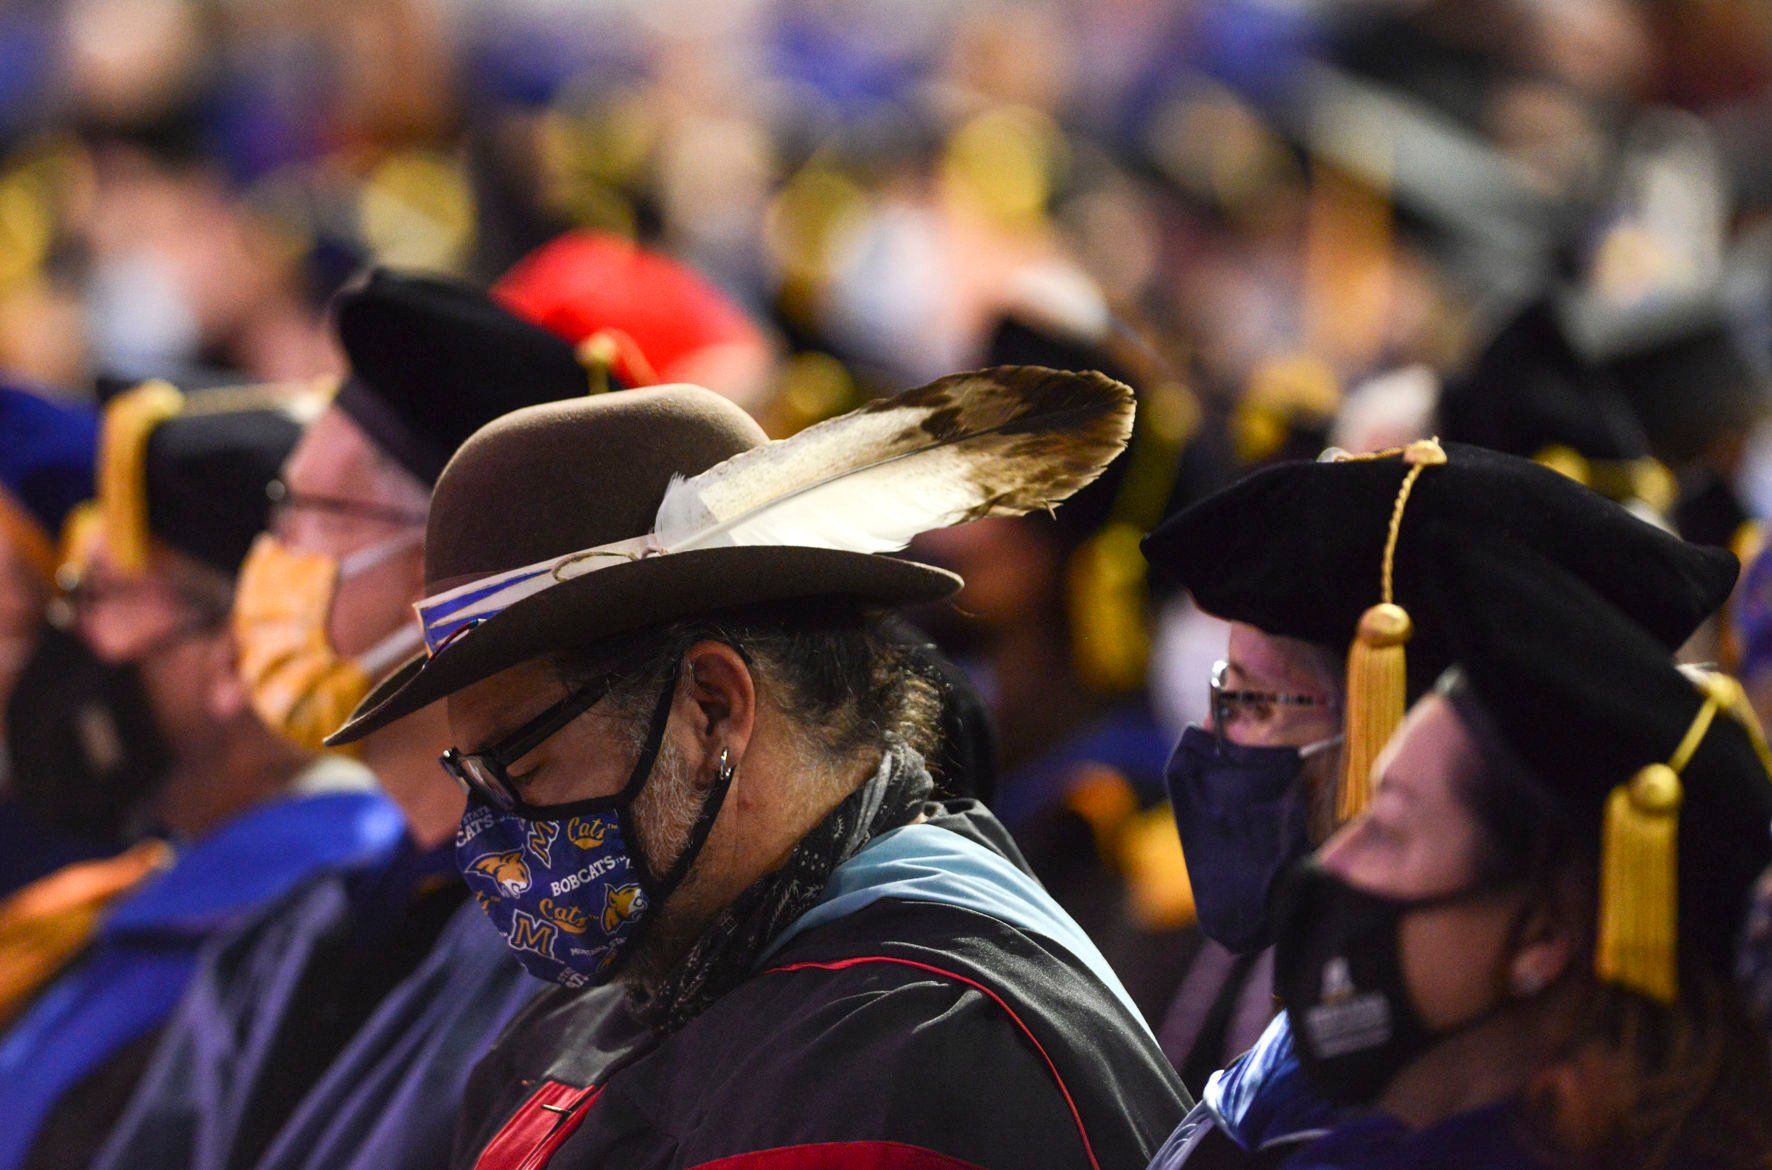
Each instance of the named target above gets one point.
<point>726,952</point>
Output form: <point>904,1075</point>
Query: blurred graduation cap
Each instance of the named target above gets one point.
<point>1680,361</point>
<point>434,360</point>
<point>194,471</point>
<point>1106,586</point>
<point>1530,392</point>
<point>1664,769</point>
<point>48,450</point>
<point>657,314</point>
<point>1327,552</point>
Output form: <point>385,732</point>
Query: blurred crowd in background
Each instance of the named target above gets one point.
<point>1538,226</point>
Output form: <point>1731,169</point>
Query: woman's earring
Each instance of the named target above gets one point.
<point>1527,984</point>
<point>724,775</point>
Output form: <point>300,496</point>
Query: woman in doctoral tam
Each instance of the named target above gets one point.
<point>1521,954</point>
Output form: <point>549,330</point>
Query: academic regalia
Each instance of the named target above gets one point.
<point>1483,1139</point>
<point>1660,775</point>
<point>1253,1114</point>
<point>1090,817</point>
<point>303,1029</point>
<point>131,976</point>
<point>275,1004</point>
<point>1039,1058</point>
<point>393,1097</point>
<point>189,475</point>
<point>861,1021</point>
<point>47,450</point>
<point>1304,550</point>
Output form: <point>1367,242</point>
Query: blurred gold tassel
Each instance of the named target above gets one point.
<point>1377,660</point>
<point>1107,595</point>
<point>1639,865</point>
<point>600,352</point>
<point>1623,480</point>
<point>129,422</point>
<point>1377,685</point>
<point>1639,884</point>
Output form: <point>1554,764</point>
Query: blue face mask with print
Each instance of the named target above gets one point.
<point>1243,816</point>
<point>568,886</point>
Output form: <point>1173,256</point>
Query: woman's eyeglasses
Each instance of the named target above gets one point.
<point>1228,705</point>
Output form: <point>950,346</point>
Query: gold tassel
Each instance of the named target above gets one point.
<point>1639,885</point>
<point>1639,864</point>
<point>1106,594</point>
<point>599,352</point>
<point>129,422</point>
<point>1729,695</point>
<point>1646,479</point>
<point>1377,659</point>
<point>596,354</point>
<point>1377,687</point>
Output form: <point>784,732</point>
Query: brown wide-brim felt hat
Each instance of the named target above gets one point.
<point>554,479</point>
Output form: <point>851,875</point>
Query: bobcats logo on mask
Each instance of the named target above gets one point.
<point>587,832</point>
<point>568,918</point>
<point>529,933</point>
<point>509,873</point>
<point>621,904</point>
<point>541,840</point>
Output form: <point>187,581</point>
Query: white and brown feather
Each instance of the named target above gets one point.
<point>996,442</point>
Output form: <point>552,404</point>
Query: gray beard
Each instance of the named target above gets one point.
<point>664,815</point>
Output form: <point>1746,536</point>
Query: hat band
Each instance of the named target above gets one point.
<point>446,615</point>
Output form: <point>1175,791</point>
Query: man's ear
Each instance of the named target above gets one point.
<point>717,701</point>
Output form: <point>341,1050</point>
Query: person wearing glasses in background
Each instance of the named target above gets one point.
<point>322,612</point>
<point>1520,956</point>
<point>246,818</point>
<point>1314,565</point>
<point>342,1034</point>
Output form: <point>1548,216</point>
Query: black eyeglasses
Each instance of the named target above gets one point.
<point>1227,705</point>
<point>84,592</point>
<point>484,772</point>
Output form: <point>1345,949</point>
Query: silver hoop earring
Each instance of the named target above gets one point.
<point>726,769</point>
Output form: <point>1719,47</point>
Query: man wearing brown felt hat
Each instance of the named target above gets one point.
<point>693,748</point>
<point>338,1034</point>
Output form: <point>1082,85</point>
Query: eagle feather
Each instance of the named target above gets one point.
<point>995,442</point>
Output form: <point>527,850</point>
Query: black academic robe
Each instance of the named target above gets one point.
<point>905,1034</point>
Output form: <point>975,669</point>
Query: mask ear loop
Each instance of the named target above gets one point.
<point>704,824</point>
<point>659,889</point>
<point>655,733</point>
<point>368,557</point>
<point>659,886</point>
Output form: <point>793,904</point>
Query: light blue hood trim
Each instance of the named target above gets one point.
<point>926,863</point>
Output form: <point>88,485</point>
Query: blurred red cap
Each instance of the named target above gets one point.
<point>585,282</point>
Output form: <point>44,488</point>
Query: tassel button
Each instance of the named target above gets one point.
<point>1424,453</point>
<point>1655,790</point>
<point>1385,625</point>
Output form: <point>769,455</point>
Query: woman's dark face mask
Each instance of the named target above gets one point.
<point>1243,816</point>
<point>1338,969</point>
<point>85,752</point>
